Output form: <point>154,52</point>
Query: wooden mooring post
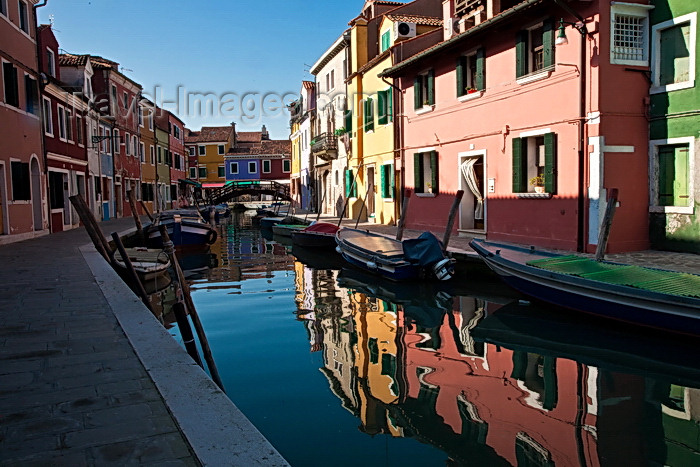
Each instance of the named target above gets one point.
<point>140,290</point>
<point>606,225</point>
<point>204,342</point>
<point>451,218</point>
<point>91,226</point>
<point>186,331</point>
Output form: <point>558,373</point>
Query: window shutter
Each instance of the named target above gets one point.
<point>461,66</point>
<point>480,69</point>
<point>548,43</point>
<point>381,104</point>
<point>390,104</point>
<point>418,92</point>
<point>519,166</point>
<point>431,87</point>
<point>348,122</point>
<point>392,185</point>
<point>383,181</point>
<point>521,54</point>
<point>681,183</point>
<point>434,169</point>
<point>418,172</point>
<point>348,183</point>
<point>550,163</point>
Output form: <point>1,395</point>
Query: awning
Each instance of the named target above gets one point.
<point>212,185</point>
<point>190,182</point>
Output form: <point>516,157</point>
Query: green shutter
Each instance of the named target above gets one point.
<point>550,163</point>
<point>519,166</point>
<point>461,66</point>
<point>434,169</point>
<point>382,174</point>
<point>390,104</point>
<point>681,195</point>
<point>392,186</point>
<point>548,43</point>
<point>348,122</point>
<point>673,176</point>
<point>480,69</point>
<point>549,374</point>
<point>418,172</point>
<point>418,92</point>
<point>382,117</point>
<point>348,182</point>
<point>369,115</point>
<point>521,54</point>
<point>431,87</point>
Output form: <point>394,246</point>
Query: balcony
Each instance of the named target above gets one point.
<point>325,146</point>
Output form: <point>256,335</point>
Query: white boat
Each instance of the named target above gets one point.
<point>148,263</point>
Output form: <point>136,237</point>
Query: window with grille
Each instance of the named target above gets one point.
<point>629,34</point>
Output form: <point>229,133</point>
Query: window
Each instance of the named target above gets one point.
<point>202,172</point>
<point>126,100</point>
<point>51,62</point>
<point>20,181</point>
<point>387,180</point>
<point>48,117</point>
<point>160,155</point>
<point>150,120</point>
<point>266,166</point>
<point>385,106</point>
<point>61,122</point>
<point>350,186</point>
<point>3,7</point>
<point>127,144</point>
<point>32,91</point>
<point>252,167</point>
<point>673,52</point>
<point>221,148</point>
<point>222,171</point>
<point>79,130</point>
<point>425,172</point>
<point>69,125</point>
<point>23,19</point>
<point>534,49</point>
<point>141,116</point>
<point>470,73</point>
<point>193,172</point>
<point>233,167</point>
<point>202,150</point>
<point>332,79</point>
<point>286,166</point>
<point>386,40</point>
<point>9,76</point>
<point>56,190</point>
<point>176,131</point>
<point>672,184</point>
<point>369,114</point>
<point>153,154</point>
<point>117,142</point>
<point>424,90</point>
<point>142,152</point>
<point>534,156</point>
<point>629,33</point>
<point>192,151</point>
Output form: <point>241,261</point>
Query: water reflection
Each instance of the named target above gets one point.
<point>436,374</point>
<point>508,385</point>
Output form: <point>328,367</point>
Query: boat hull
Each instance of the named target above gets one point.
<point>314,240</point>
<point>620,302</point>
<point>184,233</point>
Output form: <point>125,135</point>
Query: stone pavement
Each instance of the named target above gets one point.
<point>76,390</point>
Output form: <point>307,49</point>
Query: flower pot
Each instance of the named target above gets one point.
<point>539,189</point>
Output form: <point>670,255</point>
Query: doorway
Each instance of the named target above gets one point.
<point>370,191</point>
<point>36,196</point>
<point>473,207</point>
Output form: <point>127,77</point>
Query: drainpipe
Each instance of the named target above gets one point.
<point>40,98</point>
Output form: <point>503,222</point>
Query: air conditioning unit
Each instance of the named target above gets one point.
<point>404,30</point>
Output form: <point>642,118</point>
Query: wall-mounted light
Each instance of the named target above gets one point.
<point>561,34</point>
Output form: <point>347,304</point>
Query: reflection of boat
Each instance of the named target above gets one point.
<point>198,262</point>
<point>148,263</point>
<point>653,297</point>
<point>317,259</point>
<point>411,259</point>
<point>185,227</point>
<point>318,235</point>
<point>593,341</point>
<point>220,211</point>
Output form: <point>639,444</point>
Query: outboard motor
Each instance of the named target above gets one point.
<point>444,269</point>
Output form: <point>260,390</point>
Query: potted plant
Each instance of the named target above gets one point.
<point>339,131</point>
<point>471,90</point>
<point>538,183</point>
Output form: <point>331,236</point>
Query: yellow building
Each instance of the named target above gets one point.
<point>372,179</point>
<point>209,147</point>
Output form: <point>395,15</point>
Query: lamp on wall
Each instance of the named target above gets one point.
<point>561,34</point>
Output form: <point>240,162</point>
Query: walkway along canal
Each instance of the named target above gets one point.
<point>336,367</point>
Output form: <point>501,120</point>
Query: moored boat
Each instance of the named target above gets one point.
<point>420,258</point>
<point>286,230</point>
<point>148,263</point>
<point>185,227</point>
<point>318,235</point>
<point>652,297</point>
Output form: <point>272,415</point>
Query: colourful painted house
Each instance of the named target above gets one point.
<point>208,148</point>
<point>254,156</point>
<point>674,146</point>
<point>147,151</point>
<point>474,120</point>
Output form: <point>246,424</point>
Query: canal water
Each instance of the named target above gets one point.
<point>339,368</point>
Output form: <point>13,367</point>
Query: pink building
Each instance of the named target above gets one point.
<point>504,102</point>
<point>22,163</point>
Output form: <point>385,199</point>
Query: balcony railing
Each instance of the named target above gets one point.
<point>325,146</point>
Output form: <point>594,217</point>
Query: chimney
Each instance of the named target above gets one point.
<point>233,138</point>
<point>265,134</point>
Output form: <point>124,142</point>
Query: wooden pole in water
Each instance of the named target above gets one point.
<point>606,225</point>
<point>204,342</point>
<point>186,331</point>
<point>91,226</point>
<point>137,220</point>
<point>132,272</point>
<point>404,210</point>
<point>451,218</point>
<point>145,209</point>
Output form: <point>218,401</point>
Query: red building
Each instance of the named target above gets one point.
<point>175,154</point>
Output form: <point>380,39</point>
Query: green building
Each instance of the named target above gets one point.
<point>674,146</point>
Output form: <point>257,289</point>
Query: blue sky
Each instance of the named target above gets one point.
<point>246,54</point>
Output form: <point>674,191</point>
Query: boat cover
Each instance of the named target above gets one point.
<point>425,250</point>
<point>323,227</point>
